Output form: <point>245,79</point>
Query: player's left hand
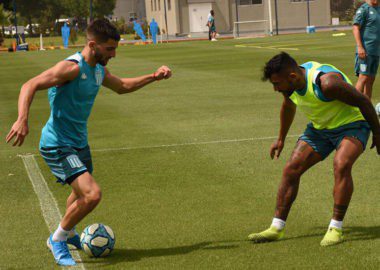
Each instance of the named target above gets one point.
<point>163,73</point>
<point>376,142</point>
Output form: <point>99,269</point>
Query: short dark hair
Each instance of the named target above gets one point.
<point>278,64</point>
<point>102,30</point>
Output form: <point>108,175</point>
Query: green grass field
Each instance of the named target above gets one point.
<point>184,164</point>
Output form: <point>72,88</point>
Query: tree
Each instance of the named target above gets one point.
<point>103,8</point>
<point>345,9</point>
<point>80,9</point>
<point>50,13</point>
<point>30,9</point>
<point>76,8</point>
<point>5,17</point>
<point>7,4</point>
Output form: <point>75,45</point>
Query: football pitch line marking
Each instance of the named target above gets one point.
<point>172,145</point>
<point>189,144</point>
<point>308,42</point>
<point>48,204</point>
<point>268,48</point>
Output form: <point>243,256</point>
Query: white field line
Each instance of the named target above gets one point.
<point>188,144</point>
<point>268,48</point>
<point>311,41</point>
<point>173,145</point>
<point>291,49</point>
<point>48,204</point>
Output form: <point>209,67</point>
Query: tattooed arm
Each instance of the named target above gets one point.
<point>334,87</point>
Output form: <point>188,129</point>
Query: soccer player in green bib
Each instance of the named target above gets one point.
<point>340,119</point>
<point>366,31</point>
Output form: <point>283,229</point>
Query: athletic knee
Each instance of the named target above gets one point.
<point>293,170</point>
<point>342,167</point>
<point>93,197</point>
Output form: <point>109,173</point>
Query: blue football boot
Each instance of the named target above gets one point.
<point>60,252</point>
<point>75,241</point>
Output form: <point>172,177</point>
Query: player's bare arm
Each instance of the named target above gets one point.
<point>59,74</point>
<point>361,51</point>
<point>334,87</point>
<point>128,85</point>
<point>288,111</point>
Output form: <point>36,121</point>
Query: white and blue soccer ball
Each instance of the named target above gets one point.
<point>97,240</point>
<point>377,108</point>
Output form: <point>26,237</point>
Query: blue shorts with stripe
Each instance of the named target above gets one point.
<point>325,141</point>
<point>367,66</point>
<point>67,163</point>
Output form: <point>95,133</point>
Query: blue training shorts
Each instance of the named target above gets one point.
<point>325,141</point>
<point>367,66</point>
<point>67,163</point>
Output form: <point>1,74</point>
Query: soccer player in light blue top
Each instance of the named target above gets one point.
<point>73,85</point>
<point>366,31</point>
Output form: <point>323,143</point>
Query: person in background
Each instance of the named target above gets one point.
<point>211,25</point>
<point>366,31</point>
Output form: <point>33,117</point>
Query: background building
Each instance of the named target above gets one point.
<point>190,16</point>
<point>129,9</point>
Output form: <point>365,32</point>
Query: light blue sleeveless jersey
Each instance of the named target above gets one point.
<point>71,105</point>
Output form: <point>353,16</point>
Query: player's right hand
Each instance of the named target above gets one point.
<point>163,73</point>
<point>276,149</point>
<point>19,130</point>
<point>362,53</point>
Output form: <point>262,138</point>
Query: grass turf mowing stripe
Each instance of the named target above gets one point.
<point>48,204</point>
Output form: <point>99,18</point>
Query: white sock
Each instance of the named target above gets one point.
<point>72,233</point>
<point>60,234</point>
<point>278,223</point>
<point>336,224</point>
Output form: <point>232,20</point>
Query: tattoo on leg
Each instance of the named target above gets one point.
<point>300,148</point>
<point>340,211</point>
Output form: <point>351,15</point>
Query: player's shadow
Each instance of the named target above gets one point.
<point>357,233</point>
<point>353,233</point>
<point>138,254</point>
<point>131,255</point>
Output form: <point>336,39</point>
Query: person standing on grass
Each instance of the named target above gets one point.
<point>366,31</point>
<point>209,29</point>
<point>73,85</point>
<point>211,25</point>
<point>341,119</point>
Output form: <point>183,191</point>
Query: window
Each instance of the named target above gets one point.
<point>159,4</point>
<point>155,5</point>
<point>169,4</point>
<point>151,5</point>
<point>250,2</point>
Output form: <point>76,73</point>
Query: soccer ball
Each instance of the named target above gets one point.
<point>97,240</point>
<point>377,108</point>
